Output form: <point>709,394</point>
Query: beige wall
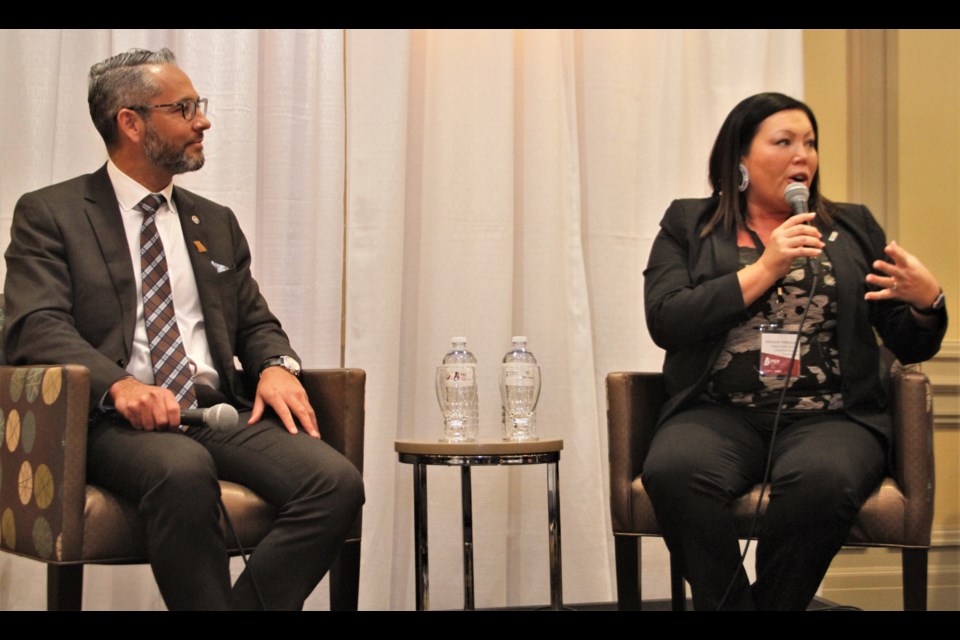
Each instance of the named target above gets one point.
<point>888,105</point>
<point>825,90</point>
<point>929,143</point>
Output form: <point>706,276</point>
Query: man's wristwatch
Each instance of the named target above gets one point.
<point>288,363</point>
<point>934,308</point>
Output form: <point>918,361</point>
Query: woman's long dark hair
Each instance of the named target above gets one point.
<point>733,142</point>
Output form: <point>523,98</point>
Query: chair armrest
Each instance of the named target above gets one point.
<point>44,414</point>
<point>337,396</point>
<point>633,404</point>
<point>912,415</point>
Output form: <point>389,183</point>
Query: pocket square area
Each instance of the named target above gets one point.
<point>219,267</point>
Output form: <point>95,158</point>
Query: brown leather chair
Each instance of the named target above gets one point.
<point>49,513</point>
<point>898,514</point>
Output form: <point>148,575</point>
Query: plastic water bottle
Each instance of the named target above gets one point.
<point>457,392</point>
<point>519,391</point>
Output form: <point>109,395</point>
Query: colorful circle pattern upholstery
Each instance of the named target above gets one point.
<point>31,456</point>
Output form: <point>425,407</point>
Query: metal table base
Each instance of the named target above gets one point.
<point>423,454</point>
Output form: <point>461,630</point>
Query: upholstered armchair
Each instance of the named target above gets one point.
<point>49,513</point>
<point>898,514</point>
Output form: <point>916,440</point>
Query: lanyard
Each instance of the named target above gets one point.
<point>778,313</point>
<point>756,240</point>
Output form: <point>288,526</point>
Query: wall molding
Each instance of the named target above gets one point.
<point>944,373</point>
<point>945,538</point>
<point>872,160</point>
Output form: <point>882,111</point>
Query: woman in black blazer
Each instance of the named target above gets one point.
<point>731,283</point>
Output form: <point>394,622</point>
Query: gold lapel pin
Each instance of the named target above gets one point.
<point>199,246</point>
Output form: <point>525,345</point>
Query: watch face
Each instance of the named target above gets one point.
<point>290,364</point>
<point>287,362</point>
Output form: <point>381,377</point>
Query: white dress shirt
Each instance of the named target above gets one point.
<point>186,299</point>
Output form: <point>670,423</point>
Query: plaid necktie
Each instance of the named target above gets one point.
<point>171,367</point>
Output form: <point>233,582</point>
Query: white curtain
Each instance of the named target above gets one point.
<point>402,187</point>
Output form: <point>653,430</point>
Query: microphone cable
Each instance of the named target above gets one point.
<point>243,552</point>
<point>773,438</point>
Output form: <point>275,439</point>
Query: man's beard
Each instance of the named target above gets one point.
<point>168,157</point>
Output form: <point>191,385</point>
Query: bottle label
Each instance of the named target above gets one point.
<point>457,395</point>
<point>517,374</point>
<point>460,375</point>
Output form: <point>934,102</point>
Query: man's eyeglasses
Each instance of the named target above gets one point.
<point>188,108</point>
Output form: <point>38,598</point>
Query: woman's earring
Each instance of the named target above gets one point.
<point>744,178</point>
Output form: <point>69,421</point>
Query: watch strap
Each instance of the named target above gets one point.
<point>938,304</point>
<point>287,362</point>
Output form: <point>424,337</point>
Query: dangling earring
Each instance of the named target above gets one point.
<point>744,178</point>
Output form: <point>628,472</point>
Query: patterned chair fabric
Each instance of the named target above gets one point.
<point>49,513</point>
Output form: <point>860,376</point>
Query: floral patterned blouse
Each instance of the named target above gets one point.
<point>736,378</point>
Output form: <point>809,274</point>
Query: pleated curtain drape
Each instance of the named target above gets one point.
<point>402,187</point>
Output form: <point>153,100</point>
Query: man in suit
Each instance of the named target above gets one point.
<point>86,258</point>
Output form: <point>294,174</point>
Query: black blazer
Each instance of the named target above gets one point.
<point>692,299</point>
<point>71,294</point>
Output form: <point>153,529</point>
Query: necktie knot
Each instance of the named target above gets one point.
<point>151,203</point>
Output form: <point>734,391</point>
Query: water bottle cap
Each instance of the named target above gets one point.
<point>522,339</point>
<point>457,339</point>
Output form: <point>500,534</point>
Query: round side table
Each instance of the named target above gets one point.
<point>422,453</point>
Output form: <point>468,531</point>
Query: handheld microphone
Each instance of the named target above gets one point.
<point>219,416</point>
<point>797,195</point>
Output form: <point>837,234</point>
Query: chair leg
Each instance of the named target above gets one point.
<point>64,587</point>
<point>678,590</point>
<point>914,579</point>
<point>345,578</point>
<point>627,549</point>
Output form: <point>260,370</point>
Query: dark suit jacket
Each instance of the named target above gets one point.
<point>71,295</point>
<point>693,298</point>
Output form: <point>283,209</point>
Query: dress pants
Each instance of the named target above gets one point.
<point>173,477</point>
<point>823,468</point>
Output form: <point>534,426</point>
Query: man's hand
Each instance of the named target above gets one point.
<point>145,406</point>
<point>282,391</point>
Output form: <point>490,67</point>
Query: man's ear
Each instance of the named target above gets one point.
<point>130,126</point>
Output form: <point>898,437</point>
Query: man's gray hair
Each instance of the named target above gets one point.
<point>120,82</point>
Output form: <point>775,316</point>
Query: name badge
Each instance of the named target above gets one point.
<point>777,345</point>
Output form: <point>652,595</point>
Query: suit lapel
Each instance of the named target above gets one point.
<point>843,250</point>
<point>725,249</point>
<point>196,231</point>
<point>103,213</point>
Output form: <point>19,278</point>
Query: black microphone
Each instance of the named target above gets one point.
<point>219,416</point>
<point>797,195</point>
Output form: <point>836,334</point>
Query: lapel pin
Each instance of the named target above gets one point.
<point>195,219</point>
<point>199,246</point>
